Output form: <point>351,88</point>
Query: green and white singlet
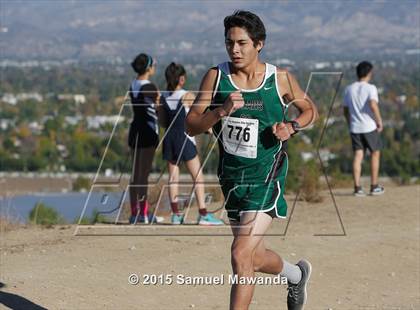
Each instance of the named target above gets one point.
<point>252,165</point>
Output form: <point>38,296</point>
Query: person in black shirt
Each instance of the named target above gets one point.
<point>143,137</point>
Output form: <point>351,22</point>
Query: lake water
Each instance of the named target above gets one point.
<point>69,205</point>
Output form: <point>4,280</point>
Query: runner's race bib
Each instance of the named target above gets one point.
<point>240,136</point>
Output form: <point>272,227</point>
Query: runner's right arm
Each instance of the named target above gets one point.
<point>198,119</point>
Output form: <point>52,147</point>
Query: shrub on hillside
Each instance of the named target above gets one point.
<point>310,184</point>
<point>42,214</point>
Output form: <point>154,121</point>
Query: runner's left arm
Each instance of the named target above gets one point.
<point>293,94</point>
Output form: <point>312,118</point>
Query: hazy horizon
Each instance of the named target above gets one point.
<point>109,29</point>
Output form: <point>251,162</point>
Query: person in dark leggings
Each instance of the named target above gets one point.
<point>143,137</point>
<point>178,147</point>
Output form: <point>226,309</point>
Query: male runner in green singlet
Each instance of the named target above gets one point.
<point>245,100</point>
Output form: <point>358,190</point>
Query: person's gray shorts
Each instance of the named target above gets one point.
<point>370,140</point>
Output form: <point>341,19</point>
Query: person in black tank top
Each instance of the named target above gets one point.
<point>143,136</point>
<point>179,147</point>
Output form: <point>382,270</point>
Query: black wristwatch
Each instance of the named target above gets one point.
<point>295,126</point>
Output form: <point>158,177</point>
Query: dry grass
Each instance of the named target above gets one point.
<point>7,225</point>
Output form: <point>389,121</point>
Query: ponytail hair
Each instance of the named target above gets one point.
<point>141,63</point>
<point>172,74</point>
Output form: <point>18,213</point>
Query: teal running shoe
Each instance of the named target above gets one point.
<point>177,219</point>
<point>209,220</point>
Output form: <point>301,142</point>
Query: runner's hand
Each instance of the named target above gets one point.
<point>233,102</point>
<point>281,131</point>
<point>379,126</point>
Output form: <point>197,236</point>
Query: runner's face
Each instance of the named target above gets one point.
<point>240,47</point>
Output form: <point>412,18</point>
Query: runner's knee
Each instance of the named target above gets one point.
<point>258,259</point>
<point>358,155</point>
<point>241,258</point>
<point>199,178</point>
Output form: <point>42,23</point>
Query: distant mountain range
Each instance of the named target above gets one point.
<point>97,30</point>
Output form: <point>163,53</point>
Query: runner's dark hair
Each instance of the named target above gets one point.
<point>141,63</point>
<point>363,69</point>
<point>172,74</point>
<point>248,21</point>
